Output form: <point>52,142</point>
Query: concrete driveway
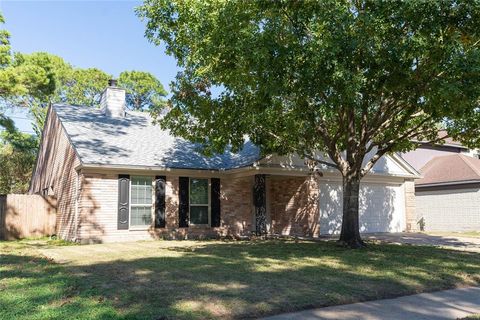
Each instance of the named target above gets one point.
<point>450,241</point>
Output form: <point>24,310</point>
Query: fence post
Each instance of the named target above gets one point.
<point>3,200</point>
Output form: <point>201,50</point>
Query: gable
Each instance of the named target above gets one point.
<point>392,165</point>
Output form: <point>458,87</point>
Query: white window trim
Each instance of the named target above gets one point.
<point>200,205</point>
<point>144,227</point>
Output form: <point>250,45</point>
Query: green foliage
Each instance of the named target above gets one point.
<point>355,79</point>
<point>4,45</point>
<point>83,87</point>
<point>144,91</point>
<point>17,158</point>
<point>19,77</point>
<point>77,86</point>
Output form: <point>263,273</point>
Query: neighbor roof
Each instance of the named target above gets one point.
<point>456,168</point>
<point>135,141</point>
<point>447,142</point>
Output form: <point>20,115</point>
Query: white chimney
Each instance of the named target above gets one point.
<point>112,102</point>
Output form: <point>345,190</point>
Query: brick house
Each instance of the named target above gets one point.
<point>118,177</point>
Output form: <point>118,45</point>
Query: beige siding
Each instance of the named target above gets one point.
<point>55,174</point>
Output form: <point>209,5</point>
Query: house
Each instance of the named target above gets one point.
<point>448,194</point>
<point>118,177</point>
<point>427,151</point>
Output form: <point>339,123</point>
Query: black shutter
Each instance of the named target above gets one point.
<point>160,201</point>
<point>123,201</point>
<point>183,195</point>
<point>215,202</point>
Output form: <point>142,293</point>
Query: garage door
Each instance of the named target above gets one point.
<point>382,208</point>
<point>449,210</point>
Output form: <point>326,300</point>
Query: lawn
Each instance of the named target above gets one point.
<point>214,279</point>
<point>464,234</point>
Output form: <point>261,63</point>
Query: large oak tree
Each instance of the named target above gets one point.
<point>354,79</point>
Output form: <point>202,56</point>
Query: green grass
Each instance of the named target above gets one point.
<point>466,234</point>
<point>214,279</point>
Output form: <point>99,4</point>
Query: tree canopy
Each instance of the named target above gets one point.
<point>353,79</point>
<point>78,86</point>
<point>144,91</point>
<point>18,152</point>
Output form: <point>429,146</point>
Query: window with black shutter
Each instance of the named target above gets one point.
<point>199,202</point>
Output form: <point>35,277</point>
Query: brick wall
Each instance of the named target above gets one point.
<point>410,206</point>
<point>98,211</point>
<point>55,174</point>
<point>294,206</point>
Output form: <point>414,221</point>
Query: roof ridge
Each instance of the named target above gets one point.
<point>474,169</point>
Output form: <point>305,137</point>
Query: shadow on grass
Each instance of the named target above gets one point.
<point>227,280</point>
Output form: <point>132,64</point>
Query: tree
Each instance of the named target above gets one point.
<point>144,91</point>
<point>353,79</point>
<point>17,157</point>
<point>78,86</point>
<point>19,77</point>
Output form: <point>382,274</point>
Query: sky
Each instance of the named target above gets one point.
<point>102,34</point>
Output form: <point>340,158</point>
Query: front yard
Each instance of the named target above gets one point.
<point>464,234</point>
<point>214,279</point>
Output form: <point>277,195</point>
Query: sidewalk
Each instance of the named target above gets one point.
<point>448,304</point>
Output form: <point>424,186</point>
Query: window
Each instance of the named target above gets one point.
<point>141,193</point>
<point>199,201</point>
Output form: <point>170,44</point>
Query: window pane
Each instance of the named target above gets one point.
<point>141,190</point>
<point>141,216</point>
<point>199,191</point>
<point>199,214</point>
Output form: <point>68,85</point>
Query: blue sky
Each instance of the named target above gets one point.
<point>103,34</point>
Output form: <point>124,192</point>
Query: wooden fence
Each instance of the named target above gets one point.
<point>26,215</point>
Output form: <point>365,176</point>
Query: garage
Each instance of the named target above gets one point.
<point>448,194</point>
<point>449,209</point>
<point>382,207</point>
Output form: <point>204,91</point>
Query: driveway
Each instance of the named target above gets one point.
<point>451,241</point>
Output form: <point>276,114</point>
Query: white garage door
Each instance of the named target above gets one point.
<point>382,208</point>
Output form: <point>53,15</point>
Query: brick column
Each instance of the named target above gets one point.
<point>410,212</point>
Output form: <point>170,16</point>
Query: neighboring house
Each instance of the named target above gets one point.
<point>118,177</point>
<point>427,151</point>
<point>448,194</point>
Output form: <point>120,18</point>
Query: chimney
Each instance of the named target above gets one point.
<point>112,101</point>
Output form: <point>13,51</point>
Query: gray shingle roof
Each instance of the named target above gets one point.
<point>135,141</point>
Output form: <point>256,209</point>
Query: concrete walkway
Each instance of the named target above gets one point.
<point>449,304</point>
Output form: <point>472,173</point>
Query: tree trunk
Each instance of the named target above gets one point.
<point>350,234</point>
